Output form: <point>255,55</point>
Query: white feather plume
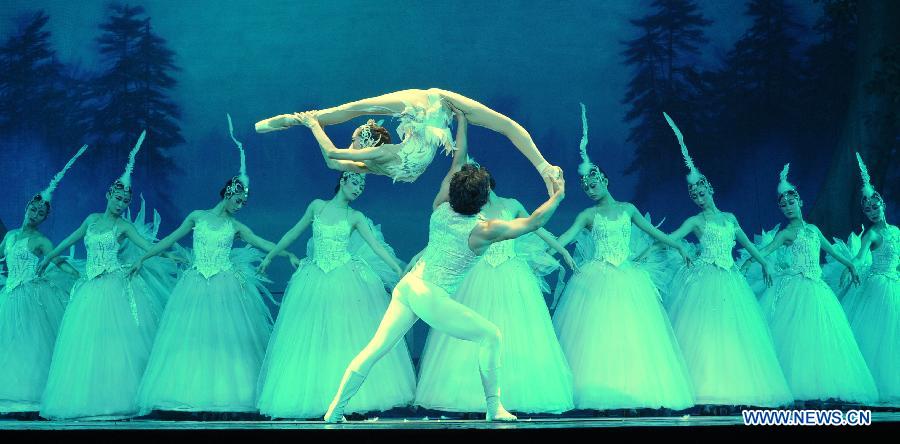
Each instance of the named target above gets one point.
<point>867,188</point>
<point>783,184</point>
<point>126,176</point>
<point>243,173</point>
<point>585,167</point>
<point>48,192</point>
<point>694,174</point>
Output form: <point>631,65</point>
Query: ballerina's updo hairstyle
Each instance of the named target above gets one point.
<point>469,189</point>
<point>371,134</point>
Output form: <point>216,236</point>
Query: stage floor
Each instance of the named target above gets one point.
<point>400,423</point>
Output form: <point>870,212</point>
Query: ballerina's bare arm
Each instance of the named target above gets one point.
<point>44,246</point>
<point>542,232</point>
<point>291,235</point>
<point>779,240</point>
<point>496,230</point>
<point>742,239</point>
<point>583,220</point>
<point>828,248</point>
<point>460,158</point>
<point>173,237</point>
<point>361,225</point>
<point>687,227</point>
<point>639,221</point>
<point>864,245</point>
<point>247,235</point>
<point>71,239</point>
<point>335,158</point>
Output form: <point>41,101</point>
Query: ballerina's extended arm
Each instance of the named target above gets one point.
<point>361,225</point>
<point>290,236</point>
<point>460,158</point>
<point>847,262</point>
<point>65,244</point>
<point>639,221</point>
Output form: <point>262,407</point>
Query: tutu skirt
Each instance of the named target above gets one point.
<point>209,348</point>
<point>102,349</point>
<point>815,345</point>
<point>536,377</point>
<point>726,343</point>
<point>325,320</point>
<point>29,321</point>
<point>618,340</point>
<point>873,310</point>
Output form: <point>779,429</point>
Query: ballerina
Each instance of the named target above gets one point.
<point>504,289</point>
<point>815,345</point>
<point>873,308</point>
<point>110,322</point>
<point>715,315</point>
<point>457,237</point>
<point>424,116</point>
<point>331,308</point>
<point>212,336</point>
<point>30,307</point>
<point>610,320</point>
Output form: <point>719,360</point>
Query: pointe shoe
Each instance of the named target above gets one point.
<point>350,384</point>
<point>496,412</point>
<point>490,380</point>
<point>277,123</point>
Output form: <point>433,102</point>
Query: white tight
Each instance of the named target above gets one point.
<point>414,298</point>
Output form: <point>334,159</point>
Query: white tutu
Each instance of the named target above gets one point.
<point>873,310</point>
<point>536,377</point>
<point>102,348</point>
<point>618,341</point>
<point>815,345</point>
<point>331,310</point>
<point>725,340</point>
<point>30,315</point>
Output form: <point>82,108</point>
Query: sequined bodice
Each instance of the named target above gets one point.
<point>330,243</point>
<point>886,257</point>
<point>612,238</point>
<point>716,244</point>
<point>212,247</point>
<point>447,258</point>
<point>102,251</point>
<point>21,263</point>
<point>804,254</point>
<point>500,252</point>
<point>422,129</point>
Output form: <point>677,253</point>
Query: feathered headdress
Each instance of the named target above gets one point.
<point>783,185</point>
<point>694,175</point>
<point>586,169</point>
<point>124,181</point>
<point>241,182</point>
<point>47,193</point>
<point>868,191</point>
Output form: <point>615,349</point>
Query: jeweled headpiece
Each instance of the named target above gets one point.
<point>367,137</point>
<point>124,181</point>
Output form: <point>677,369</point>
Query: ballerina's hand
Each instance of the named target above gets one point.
<point>42,266</point>
<point>135,268</point>
<point>552,174</point>
<point>845,278</point>
<point>571,263</point>
<point>261,269</point>
<point>855,280</point>
<point>687,258</point>
<point>767,276</point>
<point>295,261</point>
